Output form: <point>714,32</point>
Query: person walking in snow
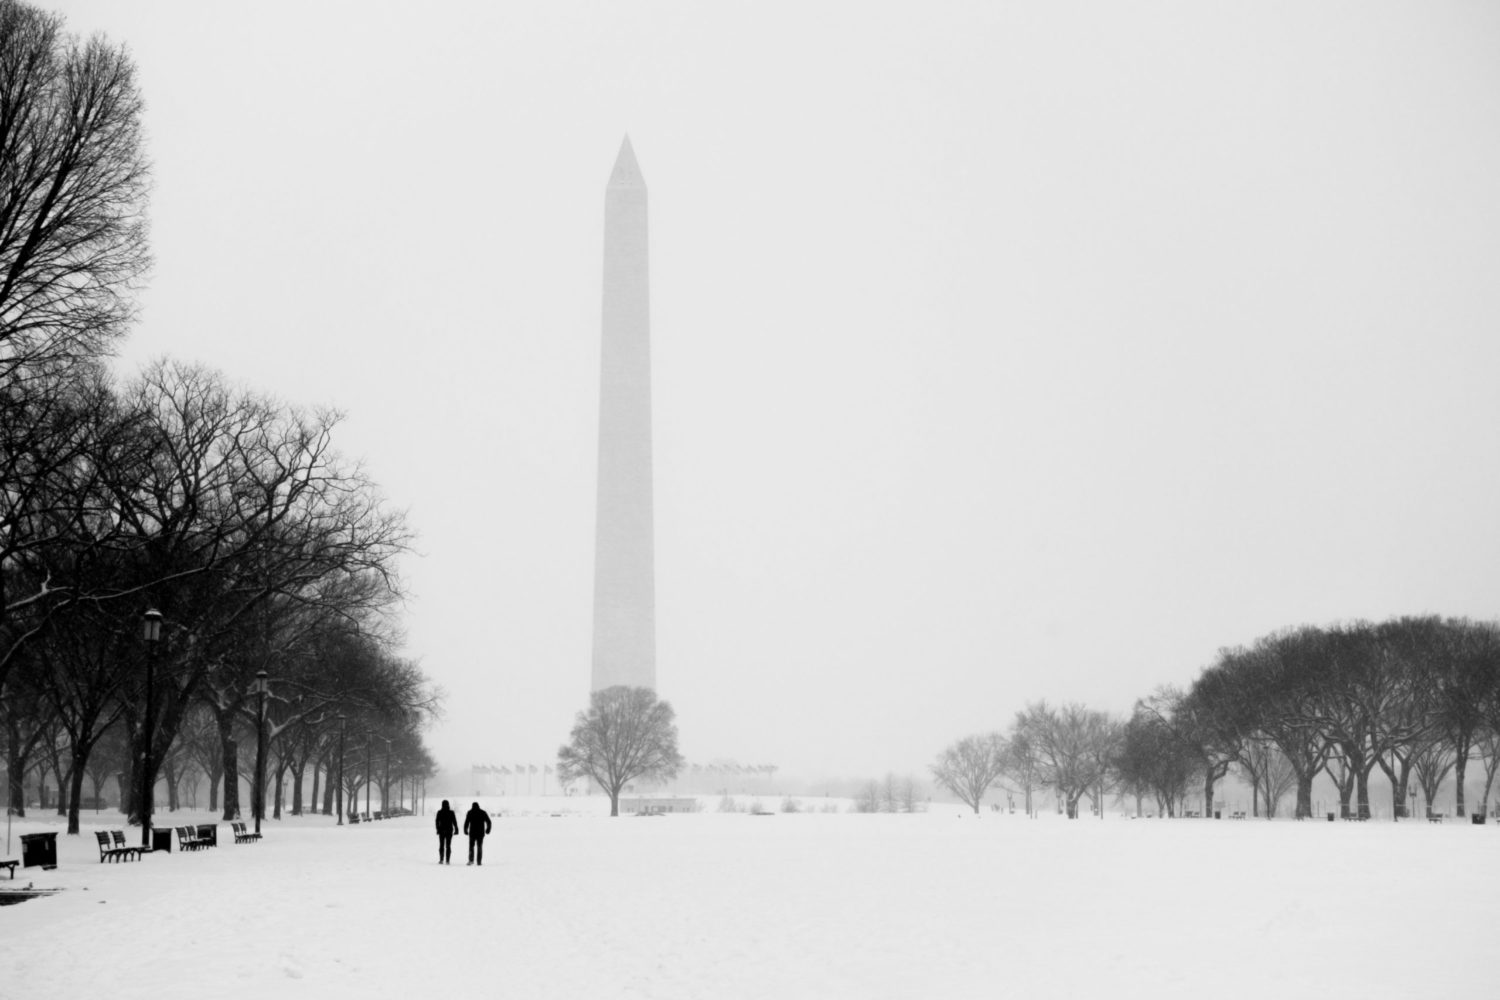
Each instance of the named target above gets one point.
<point>476,825</point>
<point>447,826</point>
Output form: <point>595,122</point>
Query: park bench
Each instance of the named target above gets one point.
<point>242,835</point>
<point>188,839</point>
<point>112,850</point>
<point>380,815</point>
<point>1433,817</point>
<point>118,839</point>
<point>12,866</point>
<point>1237,815</point>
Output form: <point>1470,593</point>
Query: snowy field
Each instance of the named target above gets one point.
<point>734,905</point>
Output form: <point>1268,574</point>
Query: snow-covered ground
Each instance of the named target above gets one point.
<point>734,905</point>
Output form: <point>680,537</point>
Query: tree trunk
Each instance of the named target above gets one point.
<point>229,751</point>
<point>1460,766</point>
<point>1304,795</point>
<point>15,770</point>
<point>62,784</point>
<point>173,802</point>
<point>1489,781</point>
<point>276,807</point>
<point>1396,788</point>
<point>75,779</point>
<point>297,773</point>
<point>1362,785</point>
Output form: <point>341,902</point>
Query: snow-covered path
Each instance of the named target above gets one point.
<point>808,905</point>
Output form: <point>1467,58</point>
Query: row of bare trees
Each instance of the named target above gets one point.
<point>1068,750</point>
<point>263,549</point>
<point>1416,698</point>
<point>230,513</point>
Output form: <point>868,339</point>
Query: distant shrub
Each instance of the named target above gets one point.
<point>728,805</point>
<point>790,805</point>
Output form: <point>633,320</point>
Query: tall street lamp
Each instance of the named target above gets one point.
<point>260,749</point>
<point>150,634</point>
<point>341,769</point>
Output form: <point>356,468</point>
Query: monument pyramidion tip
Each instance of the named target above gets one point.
<point>627,173</point>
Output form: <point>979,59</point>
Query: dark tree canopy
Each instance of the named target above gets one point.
<point>625,734</point>
<point>73,186</point>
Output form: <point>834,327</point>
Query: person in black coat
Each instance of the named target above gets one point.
<point>476,825</point>
<point>447,826</point>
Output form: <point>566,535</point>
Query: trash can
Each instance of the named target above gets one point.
<point>1330,817</point>
<point>38,849</point>
<point>210,833</point>
<point>1218,814</point>
<point>1478,819</point>
<point>161,838</point>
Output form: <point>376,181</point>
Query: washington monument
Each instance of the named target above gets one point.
<point>624,573</point>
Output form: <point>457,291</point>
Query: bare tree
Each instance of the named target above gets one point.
<point>1076,746</point>
<point>1270,775</point>
<point>624,734</point>
<point>1022,761</point>
<point>73,186</point>
<point>969,767</point>
<point>1151,758</point>
<point>1433,761</point>
<point>1487,744</point>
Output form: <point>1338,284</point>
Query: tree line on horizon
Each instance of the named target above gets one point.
<point>1416,698</point>
<point>269,558</point>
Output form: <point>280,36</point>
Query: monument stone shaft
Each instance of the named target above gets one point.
<point>624,570</point>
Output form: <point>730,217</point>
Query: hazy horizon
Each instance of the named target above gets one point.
<point>1001,352</point>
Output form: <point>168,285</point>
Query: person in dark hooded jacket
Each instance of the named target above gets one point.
<point>476,825</point>
<point>447,826</point>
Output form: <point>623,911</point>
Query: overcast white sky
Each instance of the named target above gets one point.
<point>1002,351</point>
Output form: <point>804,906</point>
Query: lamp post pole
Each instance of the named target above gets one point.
<point>341,770</point>
<point>260,750</point>
<point>151,634</point>
<point>385,788</point>
<point>369,740</point>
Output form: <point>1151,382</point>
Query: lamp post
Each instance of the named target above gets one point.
<point>369,741</point>
<point>150,634</point>
<point>260,749</point>
<point>341,770</point>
